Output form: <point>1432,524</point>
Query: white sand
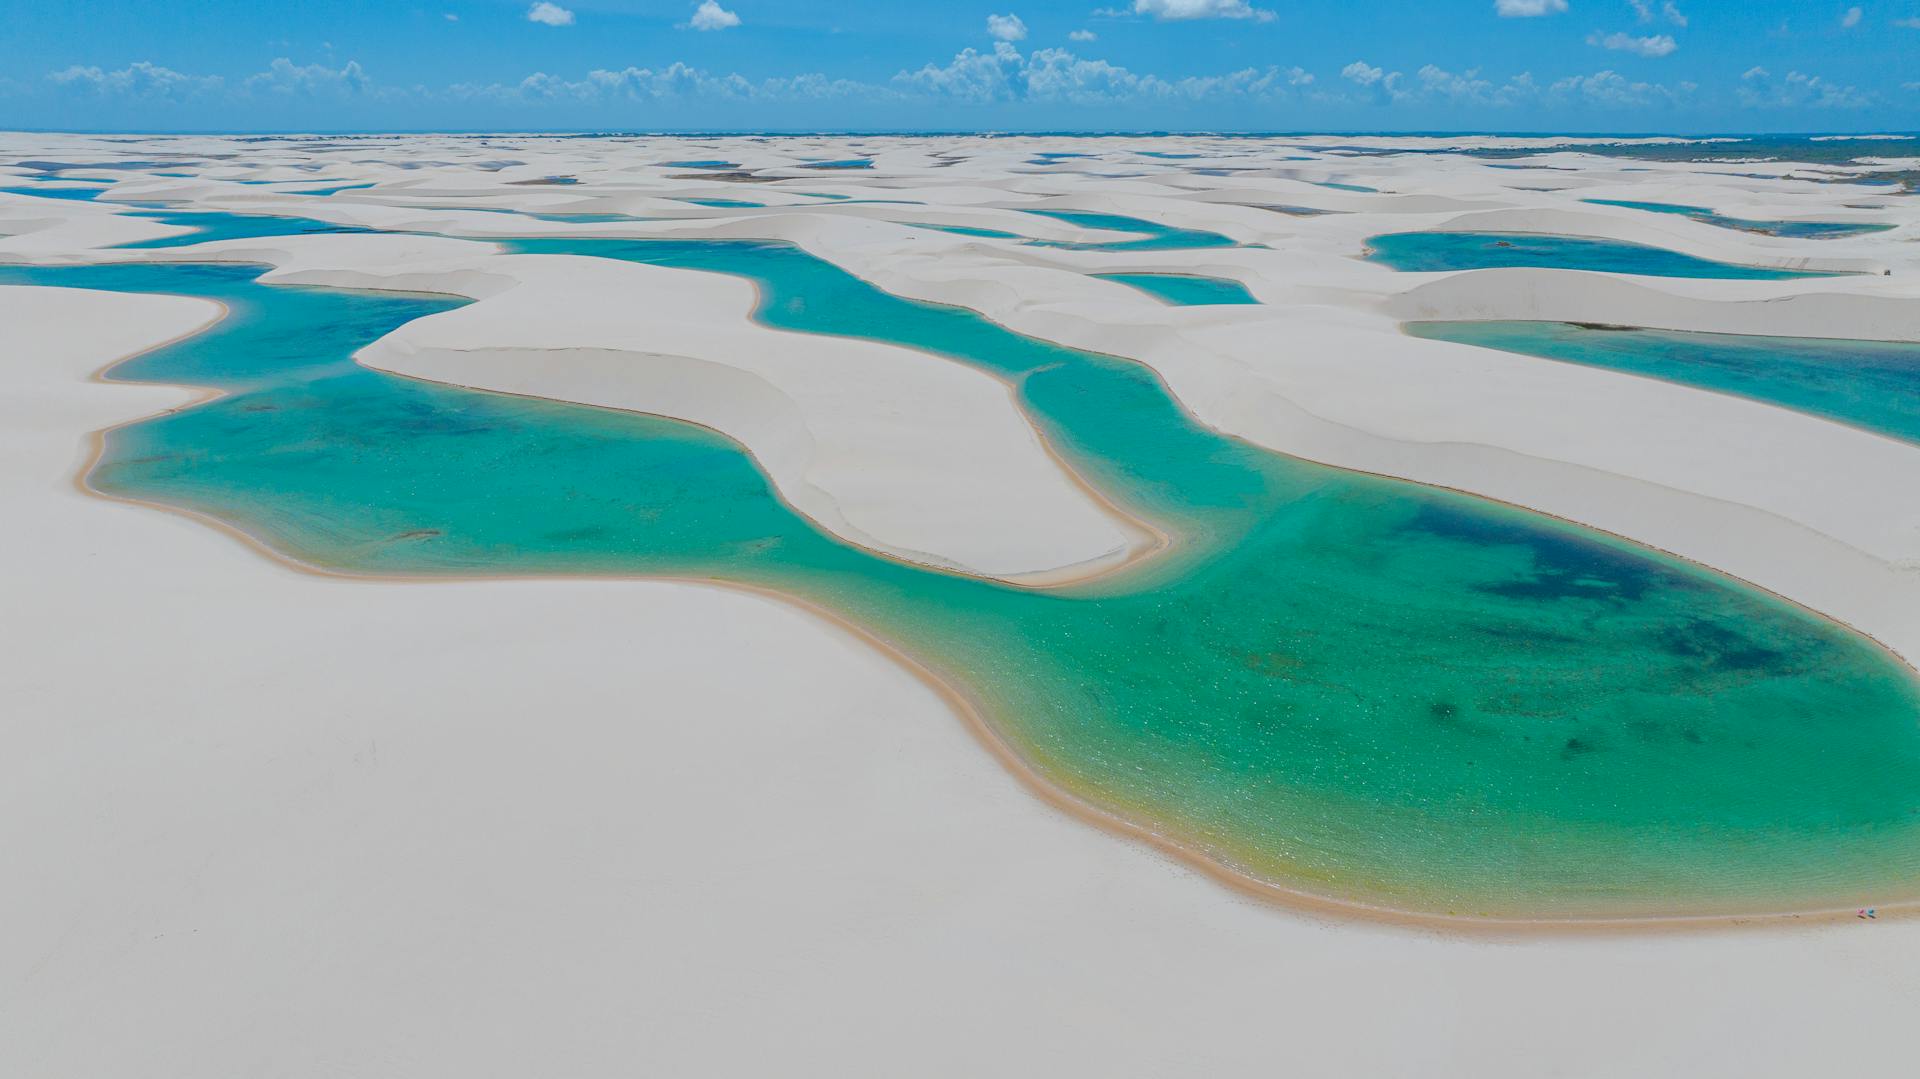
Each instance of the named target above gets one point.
<point>262,822</point>
<point>272,823</point>
<point>911,455</point>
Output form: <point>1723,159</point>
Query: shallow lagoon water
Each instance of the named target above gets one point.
<point>1870,384</point>
<point>1154,236</point>
<point>210,227</point>
<point>77,194</point>
<point>1344,685</point>
<point>1185,290</point>
<point>1431,251</point>
<point>1801,230</point>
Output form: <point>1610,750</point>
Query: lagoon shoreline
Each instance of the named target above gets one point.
<point>991,845</point>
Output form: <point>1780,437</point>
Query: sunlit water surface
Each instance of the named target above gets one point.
<point>1432,251</point>
<point>1870,384</point>
<point>1339,684</point>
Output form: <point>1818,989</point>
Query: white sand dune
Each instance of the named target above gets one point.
<point>440,830</point>
<point>1321,370</point>
<point>275,823</point>
<point>908,454</point>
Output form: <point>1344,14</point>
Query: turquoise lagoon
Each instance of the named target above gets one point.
<point>1150,235</point>
<point>1870,384</point>
<point>1185,290</point>
<point>1154,236</point>
<point>1339,685</point>
<point>1430,251</point>
<point>1799,230</point>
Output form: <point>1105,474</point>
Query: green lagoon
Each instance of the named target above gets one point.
<point>1433,251</point>
<point>1337,684</point>
<point>1869,384</point>
<point>1794,230</point>
<point>1185,290</point>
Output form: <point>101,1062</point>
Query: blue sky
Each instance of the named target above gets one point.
<point>1387,65</point>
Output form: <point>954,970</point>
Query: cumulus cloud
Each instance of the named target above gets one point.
<point>1431,84</point>
<point>971,76</point>
<point>1760,90</point>
<point>1851,19</point>
<point>1668,11</point>
<point>549,14</point>
<point>998,74</point>
<point>1361,73</point>
<point>1082,35</point>
<point>287,79</point>
<point>1006,28</point>
<point>1610,89</point>
<point>1058,75</point>
<point>1652,46</point>
<point>1381,87</point>
<point>282,79</point>
<point>1179,10</point>
<point>139,79</point>
<point>1528,9</point>
<point>674,82</point>
<point>711,16</point>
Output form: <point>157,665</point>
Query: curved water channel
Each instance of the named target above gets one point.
<point>1338,685</point>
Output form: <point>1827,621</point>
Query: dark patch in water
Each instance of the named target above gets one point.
<point>1721,648</point>
<point>1566,565</point>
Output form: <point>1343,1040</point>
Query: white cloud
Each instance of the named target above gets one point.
<point>287,79</point>
<point>449,16</point>
<point>1528,9</point>
<point>711,16</point>
<point>1006,28</point>
<point>1760,90</point>
<point>1673,14</point>
<point>1656,45</point>
<point>549,14</point>
<point>1610,89</point>
<point>283,78</point>
<point>970,76</point>
<point>140,79</point>
<point>1851,19</point>
<point>997,75</point>
<point>1057,75</point>
<point>1179,10</point>
<point>1361,73</point>
<point>1082,35</point>
<point>674,82</point>
<point>1911,24</point>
